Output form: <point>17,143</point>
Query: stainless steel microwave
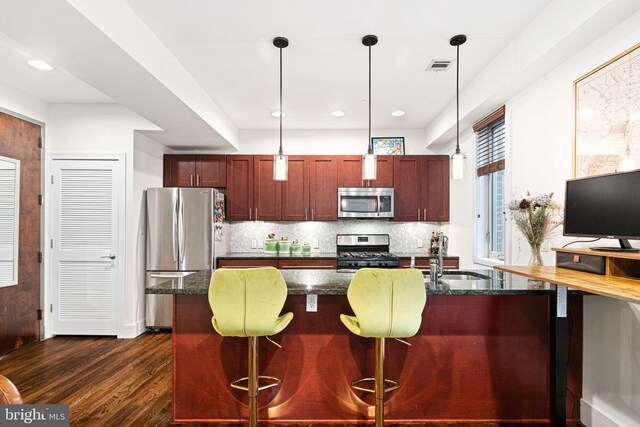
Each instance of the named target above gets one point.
<point>365,202</point>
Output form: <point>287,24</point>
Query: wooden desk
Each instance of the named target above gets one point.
<point>621,280</point>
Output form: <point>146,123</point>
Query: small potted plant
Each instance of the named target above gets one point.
<point>284,246</point>
<point>296,247</point>
<point>306,249</point>
<point>271,244</point>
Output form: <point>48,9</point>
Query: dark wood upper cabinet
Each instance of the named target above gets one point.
<point>407,195</point>
<point>239,203</point>
<point>350,172</point>
<point>323,188</point>
<point>421,188</point>
<point>211,171</point>
<point>195,171</point>
<point>295,190</point>
<point>435,183</point>
<point>267,202</point>
<point>179,170</point>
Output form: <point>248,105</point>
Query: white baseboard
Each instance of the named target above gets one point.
<point>591,417</point>
<point>132,330</point>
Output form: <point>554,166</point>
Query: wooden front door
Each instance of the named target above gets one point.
<point>19,303</point>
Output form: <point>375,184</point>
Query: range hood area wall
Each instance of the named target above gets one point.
<point>404,235</point>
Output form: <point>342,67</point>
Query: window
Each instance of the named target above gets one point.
<point>490,201</point>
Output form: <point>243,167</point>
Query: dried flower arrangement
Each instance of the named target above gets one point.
<point>536,217</point>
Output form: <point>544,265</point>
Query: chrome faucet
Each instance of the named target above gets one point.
<point>436,266</point>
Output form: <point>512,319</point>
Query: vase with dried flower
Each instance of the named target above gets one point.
<point>536,217</point>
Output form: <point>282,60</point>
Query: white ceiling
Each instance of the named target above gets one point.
<point>201,70</point>
<point>56,86</point>
<point>227,47</point>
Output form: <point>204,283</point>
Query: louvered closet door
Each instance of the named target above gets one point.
<point>86,195</point>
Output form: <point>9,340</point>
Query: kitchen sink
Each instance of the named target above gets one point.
<point>464,275</point>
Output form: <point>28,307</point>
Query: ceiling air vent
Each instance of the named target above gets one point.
<point>438,65</point>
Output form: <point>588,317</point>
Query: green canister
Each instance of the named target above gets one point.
<point>296,248</point>
<point>306,249</point>
<point>284,248</point>
<point>271,246</point>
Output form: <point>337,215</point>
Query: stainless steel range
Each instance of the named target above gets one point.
<point>364,250</point>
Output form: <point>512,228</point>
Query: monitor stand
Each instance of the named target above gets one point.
<point>625,246</point>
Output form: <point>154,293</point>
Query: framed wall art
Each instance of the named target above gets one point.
<point>388,145</point>
<point>607,117</point>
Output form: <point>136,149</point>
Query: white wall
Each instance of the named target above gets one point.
<point>349,141</point>
<point>147,173</point>
<point>540,122</point>
<point>100,129</point>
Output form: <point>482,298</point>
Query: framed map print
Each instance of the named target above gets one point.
<point>607,117</point>
<point>388,145</point>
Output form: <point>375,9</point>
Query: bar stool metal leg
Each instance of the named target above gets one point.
<point>253,381</point>
<point>379,383</point>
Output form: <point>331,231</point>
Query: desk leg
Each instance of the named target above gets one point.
<point>558,355</point>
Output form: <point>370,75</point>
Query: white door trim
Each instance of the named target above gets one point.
<point>120,157</point>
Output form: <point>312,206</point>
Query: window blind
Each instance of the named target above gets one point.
<point>490,143</point>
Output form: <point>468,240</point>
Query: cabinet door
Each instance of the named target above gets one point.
<point>267,200</point>
<point>435,188</point>
<point>384,173</point>
<point>211,171</point>
<point>239,202</point>
<point>350,171</point>
<point>179,170</point>
<point>295,190</point>
<point>323,188</point>
<point>406,179</point>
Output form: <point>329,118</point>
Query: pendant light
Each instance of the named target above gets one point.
<point>280,161</point>
<point>369,160</point>
<point>457,159</point>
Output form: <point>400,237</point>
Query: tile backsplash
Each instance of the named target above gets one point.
<point>403,235</point>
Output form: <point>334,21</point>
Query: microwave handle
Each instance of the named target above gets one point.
<point>379,202</point>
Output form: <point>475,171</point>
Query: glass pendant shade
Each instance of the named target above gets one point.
<point>369,166</point>
<point>457,165</point>
<point>280,167</point>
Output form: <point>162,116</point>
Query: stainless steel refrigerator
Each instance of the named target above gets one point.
<point>182,226</point>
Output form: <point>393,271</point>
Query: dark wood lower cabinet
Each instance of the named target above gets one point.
<point>474,359</point>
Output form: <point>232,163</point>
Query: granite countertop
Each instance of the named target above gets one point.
<point>422,254</point>
<point>262,255</point>
<point>332,282</point>
<point>317,255</point>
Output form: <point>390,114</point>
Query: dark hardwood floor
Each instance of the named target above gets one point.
<point>106,381</point>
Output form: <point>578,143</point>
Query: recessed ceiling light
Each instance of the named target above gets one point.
<point>398,113</point>
<point>40,65</point>
<point>338,113</point>
<point>277,114</point>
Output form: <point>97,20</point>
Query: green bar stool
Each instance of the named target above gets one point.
<point>247,303</point>
<point>387,303</point>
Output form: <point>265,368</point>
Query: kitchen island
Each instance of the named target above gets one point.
<point>481,355</point>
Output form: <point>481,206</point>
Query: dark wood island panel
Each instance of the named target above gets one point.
<point>475,359</point>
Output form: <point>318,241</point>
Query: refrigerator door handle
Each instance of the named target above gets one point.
<point>175,233</point>
<point>181,248</point>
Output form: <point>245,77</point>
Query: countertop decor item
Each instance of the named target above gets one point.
<point>536,217</point>
<point>280,161</point>
<point>306,249</point>
<point>271,244</point>
<point>457,158</point>
<point>296,247</point>
<point>369,160</point>
<point>284,246</point>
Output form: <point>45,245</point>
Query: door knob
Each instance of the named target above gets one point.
<point>112,256</point>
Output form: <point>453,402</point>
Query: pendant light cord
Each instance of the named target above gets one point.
<point>281,113</point>
<point>457,99</point>
<point>370,150</point>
